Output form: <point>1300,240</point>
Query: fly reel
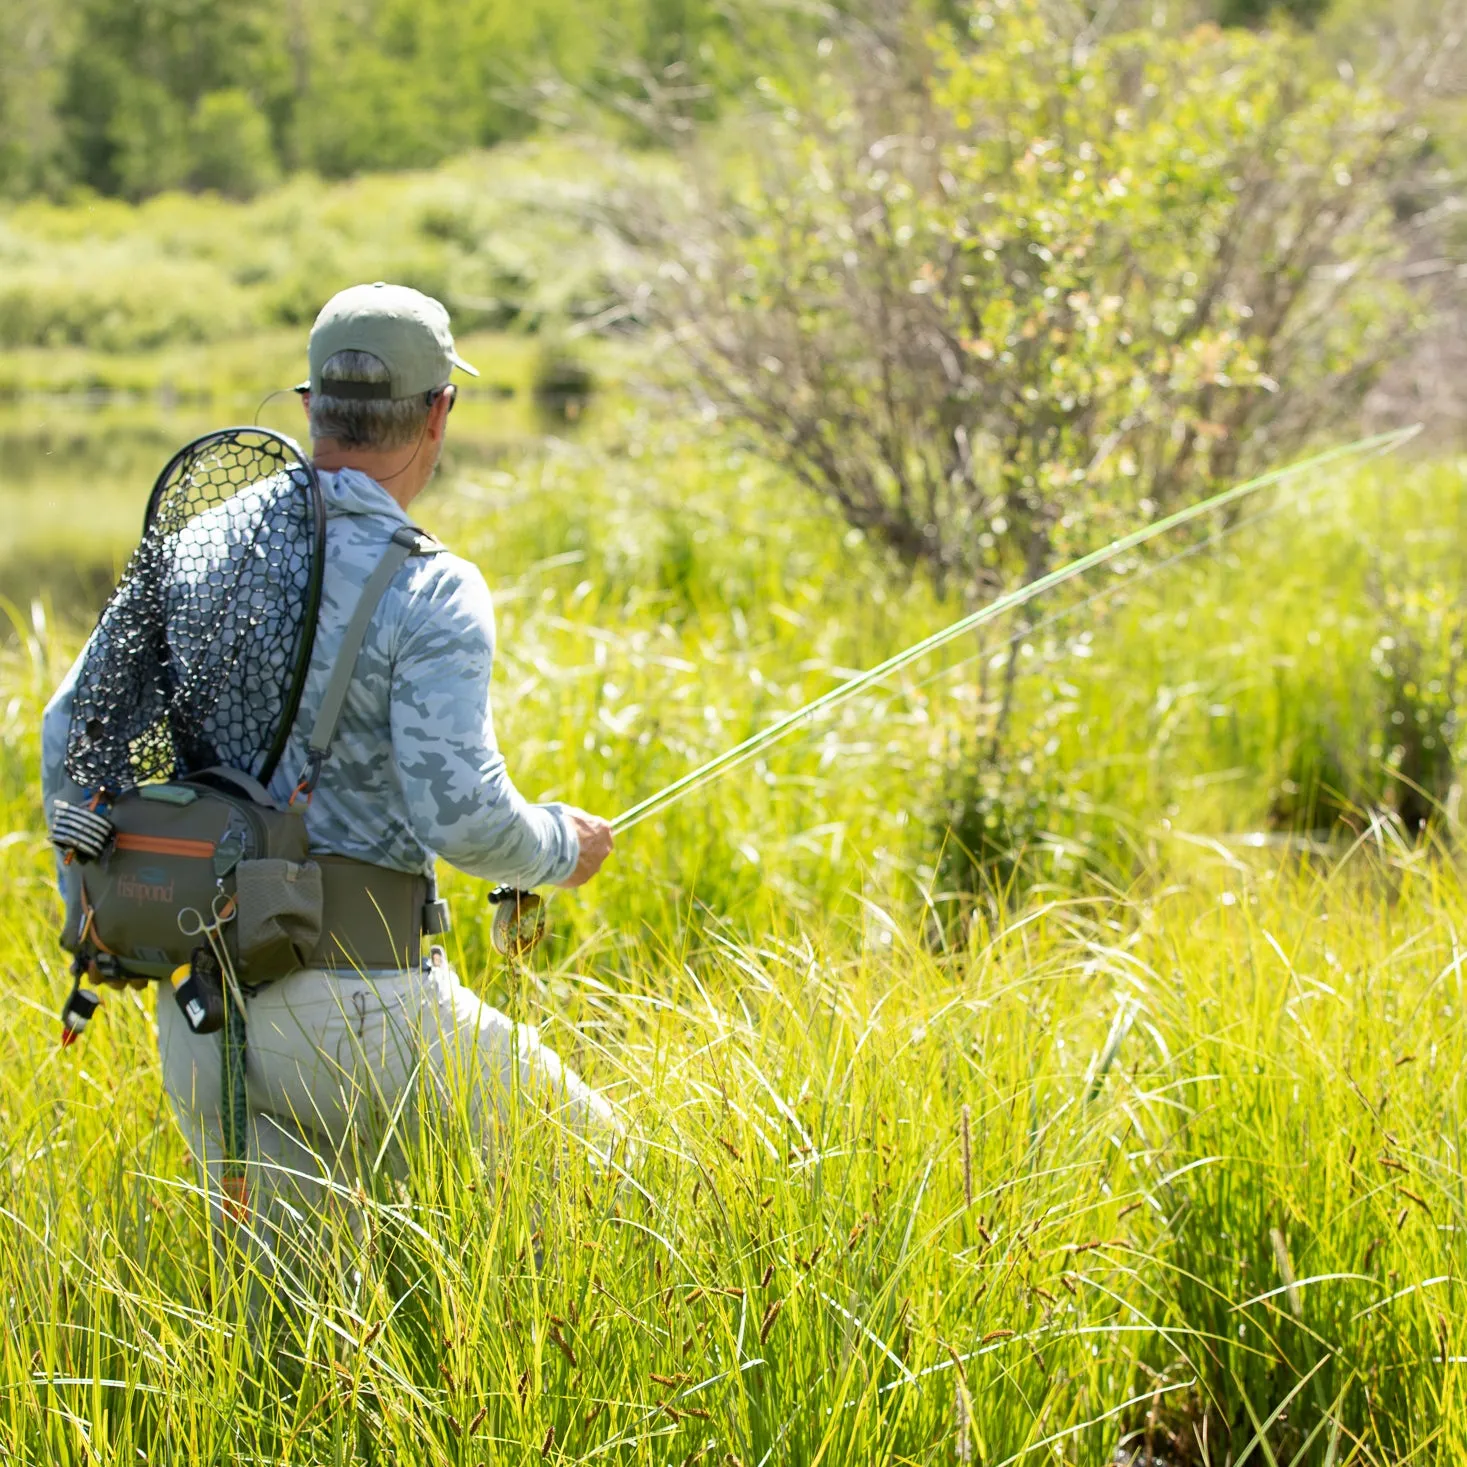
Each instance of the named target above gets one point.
<point>519,921</point>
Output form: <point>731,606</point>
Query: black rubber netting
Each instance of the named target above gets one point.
<point>199,656</point>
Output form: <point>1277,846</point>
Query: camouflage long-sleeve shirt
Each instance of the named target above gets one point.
<point>415,771</point>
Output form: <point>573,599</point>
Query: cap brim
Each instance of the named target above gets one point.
<point>463,366</point>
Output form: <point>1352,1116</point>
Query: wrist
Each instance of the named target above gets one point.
<point>571,845</point>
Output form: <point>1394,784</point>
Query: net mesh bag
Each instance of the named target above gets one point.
<point>200,654</point>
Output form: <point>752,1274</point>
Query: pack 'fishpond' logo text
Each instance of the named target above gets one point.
<point>150,884</point>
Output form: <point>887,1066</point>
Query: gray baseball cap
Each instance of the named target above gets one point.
<point>403,328</point>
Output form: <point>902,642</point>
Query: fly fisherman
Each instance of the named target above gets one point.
<point>336,1053</point>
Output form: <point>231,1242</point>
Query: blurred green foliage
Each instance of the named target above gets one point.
<point>499,237</point>
<point>1256,12</point>
<point>131,97</point>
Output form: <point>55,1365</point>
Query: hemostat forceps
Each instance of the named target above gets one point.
<point>191,921</point>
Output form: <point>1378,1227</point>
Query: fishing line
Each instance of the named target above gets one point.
<point>265,402</point>
<point>1144,574</point>
<point>741,753</point>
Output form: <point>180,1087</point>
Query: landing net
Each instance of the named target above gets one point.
<point>200,654</point>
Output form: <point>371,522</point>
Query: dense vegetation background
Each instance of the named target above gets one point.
<point>127,98</point>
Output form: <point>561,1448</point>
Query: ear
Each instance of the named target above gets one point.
<point>438,413</point>
<point>305,398</point>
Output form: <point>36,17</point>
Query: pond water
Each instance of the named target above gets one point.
<point>75,476</point>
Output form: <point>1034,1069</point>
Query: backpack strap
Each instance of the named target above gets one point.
<point>406,541</point>
<point>236,780</point>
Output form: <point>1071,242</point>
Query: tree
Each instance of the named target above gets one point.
<point>230,149</point>
<point>137,71</point>
<point>32,40</point>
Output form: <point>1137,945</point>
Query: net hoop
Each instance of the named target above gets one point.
<point>289,450</point>
<point>200,656</point>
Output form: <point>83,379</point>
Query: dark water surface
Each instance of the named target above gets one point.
<point>75,476</point>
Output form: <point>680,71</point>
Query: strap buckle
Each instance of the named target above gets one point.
<point>310,776</point>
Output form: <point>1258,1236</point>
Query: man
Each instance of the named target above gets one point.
<point>339,1059</point>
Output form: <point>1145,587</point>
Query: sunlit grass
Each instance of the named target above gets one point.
<point>1156,1088</point>
<point>1212,1189</point>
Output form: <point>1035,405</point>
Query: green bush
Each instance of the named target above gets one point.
<point>148,136</point>
<point>129,307</point>
<point>1050,287</point>
<point>115,95</point>
<point>380,114</point>
<point>499,237</point>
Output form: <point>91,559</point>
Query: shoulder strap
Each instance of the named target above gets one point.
<point>237,779</point>
<point>406,541</point>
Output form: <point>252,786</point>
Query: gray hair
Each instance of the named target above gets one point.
<point>365,423</point>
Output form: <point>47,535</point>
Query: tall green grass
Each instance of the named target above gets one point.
<point>1162,1155</point>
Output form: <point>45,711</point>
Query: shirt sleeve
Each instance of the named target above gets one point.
<point>461,801</point>
<point>55,729</point>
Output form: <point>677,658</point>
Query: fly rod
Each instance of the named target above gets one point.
<point>741,753</point>
<point>520,917</point>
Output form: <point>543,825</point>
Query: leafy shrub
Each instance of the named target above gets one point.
<point>500,237</point>
<point>147,135</point>
<point>380,114</point>
<point>1000,300</point>
<point>1056,282</point>
<point>125,308</point>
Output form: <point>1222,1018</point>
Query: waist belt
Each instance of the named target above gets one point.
<point>371,916</point>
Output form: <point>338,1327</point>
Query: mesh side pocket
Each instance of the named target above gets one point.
<point>279,920</point>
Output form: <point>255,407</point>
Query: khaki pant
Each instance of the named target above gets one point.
<point>340,1068</point>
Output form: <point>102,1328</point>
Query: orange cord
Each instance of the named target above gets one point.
<point>236,1203</point>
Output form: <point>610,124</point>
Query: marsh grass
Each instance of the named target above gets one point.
<point>1205,1096</point>
<point>795,1255</point>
